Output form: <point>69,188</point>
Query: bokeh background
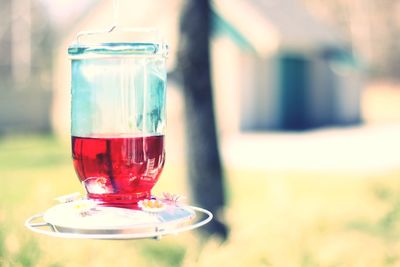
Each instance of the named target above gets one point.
<point>306,97</point>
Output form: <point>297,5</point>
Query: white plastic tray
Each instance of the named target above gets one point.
<point>117,223</point>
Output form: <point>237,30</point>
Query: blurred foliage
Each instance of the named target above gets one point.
<point>276,218</point>
<point>387,226</point>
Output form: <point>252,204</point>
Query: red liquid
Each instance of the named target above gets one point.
<point>118,171</point>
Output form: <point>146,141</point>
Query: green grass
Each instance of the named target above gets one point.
<point>276,218</point>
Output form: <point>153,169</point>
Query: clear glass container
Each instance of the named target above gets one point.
<point>118,118</point>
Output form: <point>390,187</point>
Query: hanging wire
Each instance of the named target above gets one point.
<point>115,15</point>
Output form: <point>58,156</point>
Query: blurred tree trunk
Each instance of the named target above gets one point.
<point>203,159</point>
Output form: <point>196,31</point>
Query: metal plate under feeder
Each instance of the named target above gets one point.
<point>85,219</point>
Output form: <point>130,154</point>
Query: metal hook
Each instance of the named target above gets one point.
<point>112,28</point>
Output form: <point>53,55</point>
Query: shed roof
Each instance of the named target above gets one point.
<point>269,25</point>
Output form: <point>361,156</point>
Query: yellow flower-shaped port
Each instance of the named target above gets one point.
<point>84,206</point>
<point>151,205</point>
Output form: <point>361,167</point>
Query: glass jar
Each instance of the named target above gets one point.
<point>118,118</point>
